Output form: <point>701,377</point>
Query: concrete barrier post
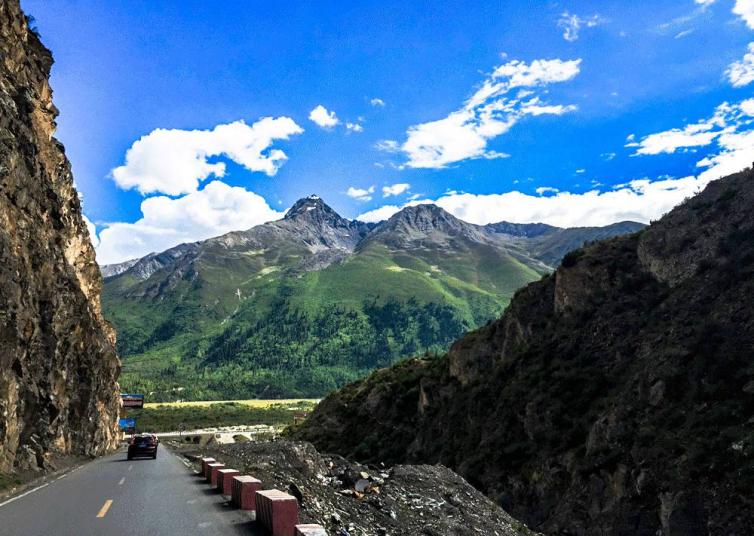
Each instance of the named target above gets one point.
<point>224,478</point>
<point>213,471</point>
<point>205,461</point>
<point>310,530</point>
<point>277,511</point>
<point>208,470</point>
<point>243,492</point>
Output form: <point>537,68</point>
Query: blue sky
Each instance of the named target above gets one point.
<point>565,112</point>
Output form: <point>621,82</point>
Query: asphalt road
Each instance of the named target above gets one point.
<point>113,496</point>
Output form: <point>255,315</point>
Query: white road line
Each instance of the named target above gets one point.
<point>130,467</point>
<point>121,481</point>
<point>24,494</point>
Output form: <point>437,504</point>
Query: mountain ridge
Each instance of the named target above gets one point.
<point>315,203</point>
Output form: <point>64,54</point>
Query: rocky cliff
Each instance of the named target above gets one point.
<point>58,368</point>
<point>615,396</point>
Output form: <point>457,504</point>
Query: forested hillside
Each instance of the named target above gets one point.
<point>303,305</point>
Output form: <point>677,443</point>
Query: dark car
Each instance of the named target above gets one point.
<point>143,445</point>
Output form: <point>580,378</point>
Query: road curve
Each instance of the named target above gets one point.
<point>114,496</point>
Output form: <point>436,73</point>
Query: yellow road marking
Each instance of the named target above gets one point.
<point>105,508</point>
<point>121,481</point>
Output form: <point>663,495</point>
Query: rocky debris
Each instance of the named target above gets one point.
<point>351,499</point>
<point>58,368</point>
<point>615,396</point>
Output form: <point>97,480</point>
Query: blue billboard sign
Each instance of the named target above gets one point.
<point>127,423</point>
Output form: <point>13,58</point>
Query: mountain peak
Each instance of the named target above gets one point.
<point>422,208</point>
<point>308,204</point>
<point>318,225</point>
<point>313,210</point>
<point>425,223</point>
<point>425,216</point>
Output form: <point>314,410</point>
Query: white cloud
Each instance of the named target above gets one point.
<point>705,2</point>
<point>736,153</point>
<point>92,231</point>
<point>533,107</point>
<point>360,194</point>
<point>741,73</point>
<point>322,117</point>
<point>494,155</point>
<point>640,200</point>
<point>730,130</point>
<point>729,133</point>
<point>572,24</point>
<point>379,214</point>
<point>536,74</point>
<point>174,162</point>
<point>671,140</point>
<point>354,127</point>
<point>395,189</point>
<point>488,113</point>
<point>377,102</point>
<point>745,10</point>
<point>216,209</point>
<point>680,23</point>
<point>747,107</point>
<point>388,146</point>
<point>542,190</point>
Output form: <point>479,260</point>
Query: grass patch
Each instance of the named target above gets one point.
<point>8,481</point>
<point>172,417</point>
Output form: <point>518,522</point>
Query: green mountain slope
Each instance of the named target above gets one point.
<point>300,306</point>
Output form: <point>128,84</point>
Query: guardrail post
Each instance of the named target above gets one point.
<point>205,461</point>
<point>208,470</point>
<point>213,469</point>
<point>224,477</point>
<point>277,511</point>
<point>243,492</point>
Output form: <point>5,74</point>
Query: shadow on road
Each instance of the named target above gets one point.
<point>249,527</point>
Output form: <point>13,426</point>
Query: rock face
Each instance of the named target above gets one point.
<point>615,396</point>
<point>58,368</point>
